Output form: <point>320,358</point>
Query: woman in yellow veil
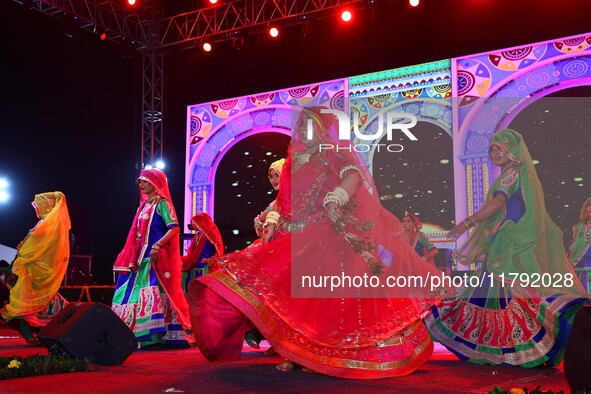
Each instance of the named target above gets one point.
<point>40,266</point>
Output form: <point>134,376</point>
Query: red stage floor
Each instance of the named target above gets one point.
<point>178,371</point>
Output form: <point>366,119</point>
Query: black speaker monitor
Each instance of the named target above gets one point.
<point>91,330</point>
<point>577,357</point>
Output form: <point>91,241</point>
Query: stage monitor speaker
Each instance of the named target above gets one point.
<point>577,357</point>
<point>91,330</point>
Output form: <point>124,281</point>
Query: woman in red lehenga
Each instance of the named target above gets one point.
<point>329,222</point>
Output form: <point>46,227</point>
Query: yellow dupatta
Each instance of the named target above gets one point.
<point>42,260</point>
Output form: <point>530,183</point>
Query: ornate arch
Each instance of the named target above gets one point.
<point>213,128</point>
<point>492,88</point>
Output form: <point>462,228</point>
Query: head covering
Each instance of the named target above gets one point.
<point>204,223</point>
<point>158,179</point>
<point>583,212</point>
<point>417,225</point>
<point>580,245</point>
<point>531,245</point>
<point>277,166</point>
<point>42,260</point>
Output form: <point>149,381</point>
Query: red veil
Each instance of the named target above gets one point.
<point>360,332</point>
<point>203,223</point>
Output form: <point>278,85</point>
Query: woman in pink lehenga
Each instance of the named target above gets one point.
<point>328,222</point>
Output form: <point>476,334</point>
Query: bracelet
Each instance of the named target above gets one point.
<point>330,198</point>
<point>338,196</point>
<point>272,218</point>
<point>349,167</point>
<point>469,222</point>
<point>156,245</point>
<point>257,222</point>
<point>342,194</point>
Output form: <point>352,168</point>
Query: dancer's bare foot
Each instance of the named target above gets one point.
<point>285,366</point>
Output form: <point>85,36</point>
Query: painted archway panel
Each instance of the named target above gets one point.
<point>492,89</point>
<point>213,128</point>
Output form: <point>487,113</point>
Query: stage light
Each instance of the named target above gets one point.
<point>3,184</point>
<point>148,167</point>
<point>213,1</point>
<point>414,3</point>
<point>160,165</point>
<point>131,2</point>
<point>4,196</point>
<point>273,32</point>
<point>207,47</point>
<point>235,232</point>
<point>346,16</point>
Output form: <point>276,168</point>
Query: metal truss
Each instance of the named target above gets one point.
<point>98,16</point>
<point>151,34</point>
<point>218,22</point>
<point>152,101</point>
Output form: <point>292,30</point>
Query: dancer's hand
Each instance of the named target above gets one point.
<point>268,233</point>
<point>334,212</point>
<point>153,256</point>
<point>457,230</point>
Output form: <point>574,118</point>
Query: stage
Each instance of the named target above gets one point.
<point>186,370</point>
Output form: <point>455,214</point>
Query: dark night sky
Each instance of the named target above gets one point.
<point>70,108</point>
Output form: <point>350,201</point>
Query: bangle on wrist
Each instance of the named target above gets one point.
<point>157,245</point>
<point>272,218</point>
<point>339,196</point>
<point>469,222</point>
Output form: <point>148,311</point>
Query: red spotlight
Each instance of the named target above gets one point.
<point>213,1</point>
<point>207,47</point>
<point>103,36</point>
<point>346,16</point>
<point>131,2</point>
<point>414,3</point>
<point>273,32</point>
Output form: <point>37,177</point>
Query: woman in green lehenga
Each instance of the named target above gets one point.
<point>524,322</point>
<point>580,247</point>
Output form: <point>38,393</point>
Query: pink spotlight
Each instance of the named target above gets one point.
<point>346,16</point>
<point>273,32</point>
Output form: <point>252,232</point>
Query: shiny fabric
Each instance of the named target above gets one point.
<point>169,264</point>
<point>499,322</point>
<point>206,243</point>
<point>41,263</point>
<point>342,334</point>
